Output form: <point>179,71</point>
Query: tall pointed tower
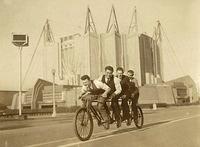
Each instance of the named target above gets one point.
<point>158,54</point>
<point>89,24</point>
<point>49,52</point>
<point>112,22</point>
<point>91,61</point>
<point>111,52</point>
<point>131,50</point>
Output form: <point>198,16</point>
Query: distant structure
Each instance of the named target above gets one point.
<point>91,52</point>
<point>110,43</point>
<point>184,90</point>
<point>89,24</point>
<point>69,58</point>
<point>149,60</point>
<point>80,54</point>
<point>40,96</point>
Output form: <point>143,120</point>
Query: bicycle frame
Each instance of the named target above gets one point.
<point>84,127</point>
<point>97,115</point>
<point>90,109</point>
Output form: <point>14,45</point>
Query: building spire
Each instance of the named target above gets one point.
<point>112,23</point>
<point>48,34</point>
<point>133,28</point>
<point>158,40</point>
<point>158,32</point>
<point>89,24</point>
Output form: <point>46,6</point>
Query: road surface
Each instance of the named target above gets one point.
<point>165,127</point>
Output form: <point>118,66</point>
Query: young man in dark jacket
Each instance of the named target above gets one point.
<point>134,90</point>
<point>125,94</point>
<point>114,83</point>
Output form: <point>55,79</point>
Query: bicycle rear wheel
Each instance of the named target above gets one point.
<point>138,118</point>
<point>83,124</point>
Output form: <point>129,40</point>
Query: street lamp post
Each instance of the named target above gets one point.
<point>20,81</point>
<point>54,102</point>
<point>20,40</point>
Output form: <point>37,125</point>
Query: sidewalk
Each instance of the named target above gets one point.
<point>32,117</point>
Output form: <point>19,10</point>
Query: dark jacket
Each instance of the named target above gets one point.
<point>133,88</point>
<point>125,85</point>
<point>110,83</point>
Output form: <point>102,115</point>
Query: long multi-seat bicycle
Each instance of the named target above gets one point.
<point>83,121</point>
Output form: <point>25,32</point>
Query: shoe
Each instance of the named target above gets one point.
<point>99,123</point>
<point>106,125</point>
<point>128,122</point>
<point>111,121</point>
<point>123,119</point>
<point>119,123</point>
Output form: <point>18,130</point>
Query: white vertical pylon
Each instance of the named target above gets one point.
<point>133,51</point>
<point>155,56</point>
<point>53,93</point>
<point>158,39</point>
<point>154,106</point>
<point>20,81</point>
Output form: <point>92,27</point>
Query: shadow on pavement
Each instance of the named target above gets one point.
<point>150,112</point>
<point>14,127</point>
<point>145,127</point>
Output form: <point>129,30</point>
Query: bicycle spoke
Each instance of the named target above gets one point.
<point>87,128</point>
<point>83,124</point>
<point>81,133</point>
<point>79,128</point>
<point>84,130</point>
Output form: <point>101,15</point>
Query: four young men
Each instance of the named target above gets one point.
<point>108,86</point>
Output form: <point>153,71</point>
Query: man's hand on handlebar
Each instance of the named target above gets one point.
<point>104,95</point>
<point>83,95</point>
<point>123,96</point>
<point>112,96</point>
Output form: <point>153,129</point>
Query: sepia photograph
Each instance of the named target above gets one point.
<point>99,73</point>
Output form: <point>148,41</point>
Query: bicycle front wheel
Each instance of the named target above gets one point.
<point>83,124</point>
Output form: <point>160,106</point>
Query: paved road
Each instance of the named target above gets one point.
<point>174,127</point>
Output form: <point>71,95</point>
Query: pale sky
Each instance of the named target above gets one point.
<point>180,19</point>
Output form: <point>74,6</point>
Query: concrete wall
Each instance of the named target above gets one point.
<point>150,94</point>
<point>6,97</point>
<point>71,97</point>
<point>111,52</point>
<point>94,55</point>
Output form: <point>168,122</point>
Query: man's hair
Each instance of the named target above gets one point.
<point>131,71</point>
<point>109,68</point>
<point>120,69</point>
<point>84,77</point>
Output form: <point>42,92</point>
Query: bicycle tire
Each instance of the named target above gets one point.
<point>84,123</point>
<point>139,120</point>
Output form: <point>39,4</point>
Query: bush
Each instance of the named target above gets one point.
<point>3,107</point>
